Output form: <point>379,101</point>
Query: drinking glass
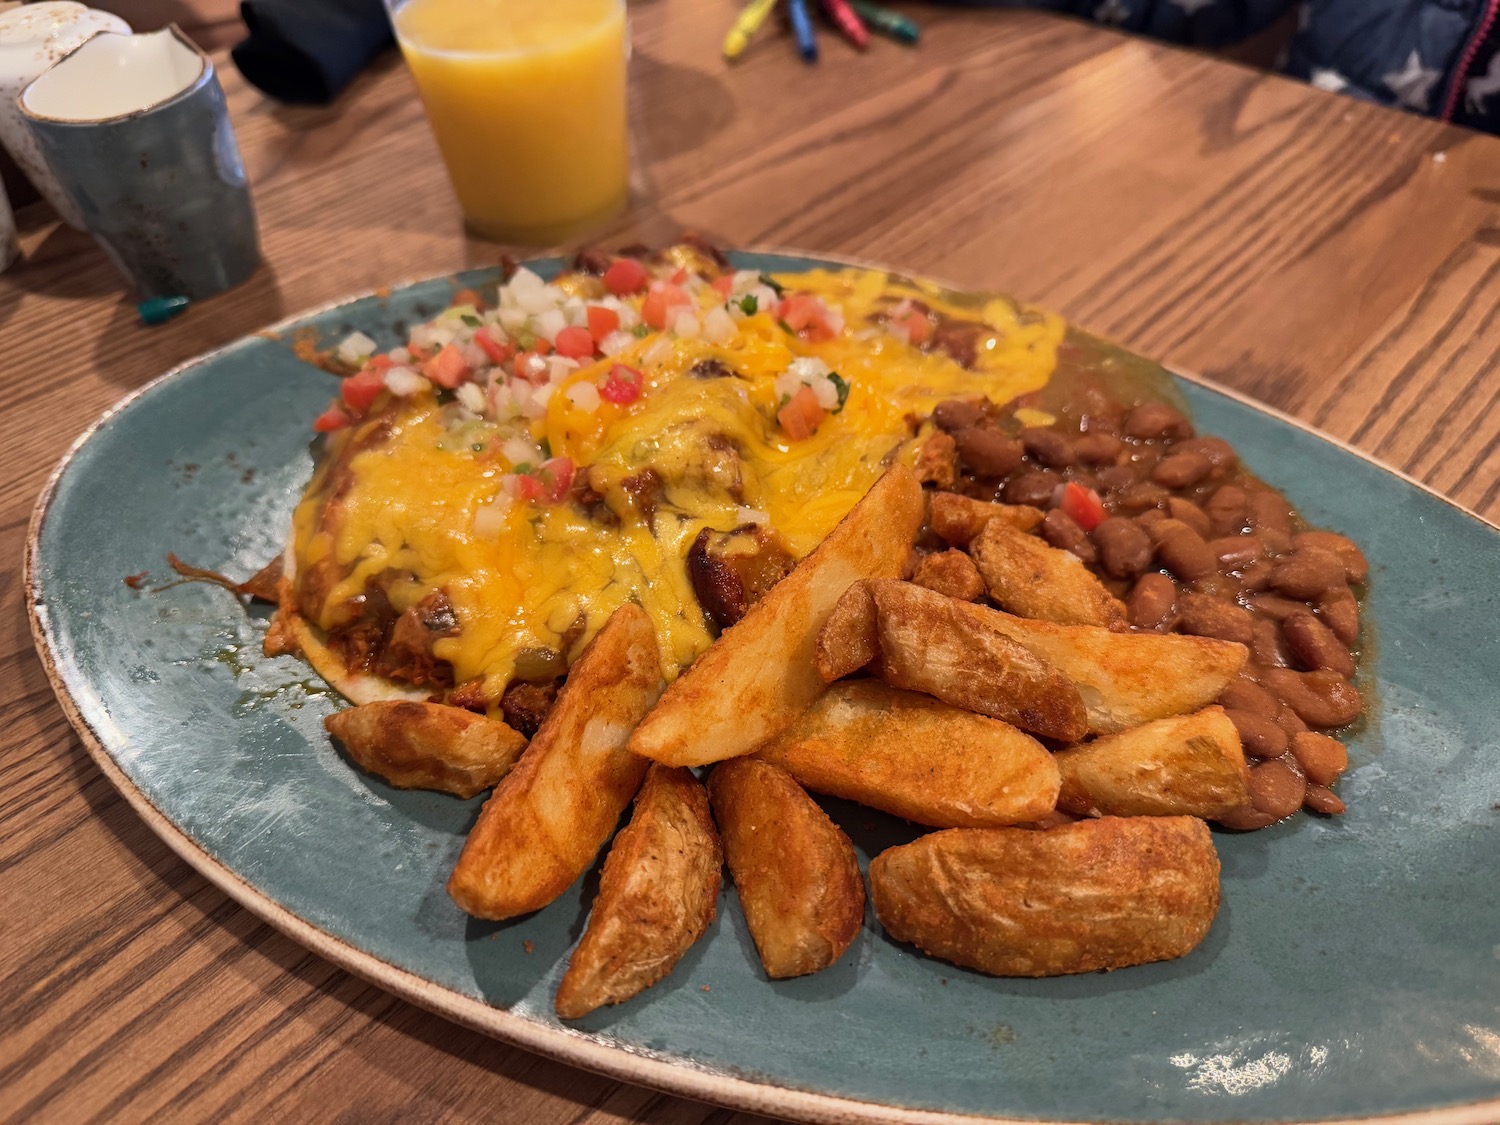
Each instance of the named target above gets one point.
<point>527,101</point>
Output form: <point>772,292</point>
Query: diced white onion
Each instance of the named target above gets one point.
<point>616,342</point>
<point>535,405</point>
<point>525,280</point>
<point>513,320</point>
<point>475,356</point>
<point>807,368</point>
<point>559,367</point>
<point>787,385</point>
<point>659,351</point>
<point>827,394</point>
<point>748,516</point>
<point>541,300</point>
<point>472,397</point>
<point>745,281</point>
<point>548,324</point>
<point>432,336</point>
<point>718,326</point>
<point>519,451</point>
<point>835,319</point>
<point>685,326</point>
<point>400,355</point>
<point>629,318</point>
<point>765,298</point>
<point>404,381</point>
<point>899,330</point>
<point>574,311</point>
<point>584,395</point>
<point>355,348</point>
<point>490,519</point>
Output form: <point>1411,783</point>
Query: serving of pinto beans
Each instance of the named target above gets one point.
<point>1194,543</point>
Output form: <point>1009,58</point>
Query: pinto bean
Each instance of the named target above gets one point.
<point>1097,447</point>
<point>1314,646</point>
<point>1323,700</point>
<point>1235,552</point>
<point>1228,508</point>
<point>1275,606</point>
<point>1259,734</point>
<point>1220,453</point>
<point>1182,551</point>
<point>1116,478</point>
<point>1339,610</point>
<point>1273,541</point>
<point>1060,530</point>
<point>1181,469</point>
<point>1204,615</point>
<point>1309,573</point>
<point>957,414</point>
<point>987,452</point>
<point>1276,788</point>
<point>1152,600</point>
<point>1047,447</point>
<point>1156,420</point>
<point>1322,758</point>
<point>1192,515</point>
<point>1244,694</point>
<point>1356,567</point>
<point>1267,646</point>
<point>1257,576</point>
<point>1139,497</point>
<point>1247,819</point>
<point>1034,489</point>
<point>1124,549</point>
<point>1321,799</point>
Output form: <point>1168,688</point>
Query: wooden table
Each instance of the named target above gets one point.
<point>1336,260</point>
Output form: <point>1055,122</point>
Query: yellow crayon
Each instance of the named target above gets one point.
<point>746,25</point>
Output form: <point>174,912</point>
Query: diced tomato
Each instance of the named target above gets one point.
<point>531,367</point>
<point>557,479</point>
<point>801,416</point>
<point>381,363</point>
<point>334,418</point>
<point>527,486</point>
<point>663,298</point>
<point>361,390</point>
<point>625,276</point>
<point>469,297</point>
<point>602,322</point>
<point>805,315</point>
<point>1082,505</point>
<point>918,328</point>
<point>498,352</point>
<point>621,385</point>
<point>574,343</point>
<point>448,368</point>
<point>724,285</point>
<point>680,276</point>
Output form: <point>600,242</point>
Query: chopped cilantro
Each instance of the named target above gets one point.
<point>526,341</point>
<point>784,400</point>
<point>841,385</point>
<point>471,320</point>
<point>641,331</point>
<point>749,305</point>
<point>785,327</point>
<point>546,448</point>
<point>522,469</point>
<point>770,282</point>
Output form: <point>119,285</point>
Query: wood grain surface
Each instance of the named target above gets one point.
<point>1334,259</point>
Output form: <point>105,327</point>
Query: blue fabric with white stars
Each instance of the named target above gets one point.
<point>1436,57</point>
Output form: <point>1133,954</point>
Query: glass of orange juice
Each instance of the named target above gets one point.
<point>527,100</point>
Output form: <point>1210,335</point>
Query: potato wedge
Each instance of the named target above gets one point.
<point>848,640</point>
<point>545,823</point>
<point>1029,578</point>
<point>1126,679</point>
<point>1015,902</point>
<point>794,869</point>
<point>935,644</point>
<point>657,895</point>
<point>920,759</point>
<point>762,673</point>
<point>427,745</point>
<point>959,518</point>
<point>1188,765</point>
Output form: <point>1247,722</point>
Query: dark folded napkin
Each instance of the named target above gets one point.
<point>309,50</point>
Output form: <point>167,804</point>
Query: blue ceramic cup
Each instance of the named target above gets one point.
<point>137,131</point>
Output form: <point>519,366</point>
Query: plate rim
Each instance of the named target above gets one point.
<point>573,1047</point>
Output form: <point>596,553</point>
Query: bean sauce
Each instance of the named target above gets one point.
<point>1193,543</point>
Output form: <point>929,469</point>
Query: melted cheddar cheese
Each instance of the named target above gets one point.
<point>398,497</point>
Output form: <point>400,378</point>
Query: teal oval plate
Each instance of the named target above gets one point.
<point>1353,972</point>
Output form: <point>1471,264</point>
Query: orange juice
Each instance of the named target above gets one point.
<point>527,99</point>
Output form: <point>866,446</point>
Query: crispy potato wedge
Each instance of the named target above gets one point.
<point>794,869</point>
<point>950,572</point>
<point>920,759</point>
<point>427,745</point>
<point>958,519</point>
<point>848,640</point>
<point>545,823</point>
<point>1126,679</point>
<point>933,643</point>
<point>1015,902</point>
<point>1031,579</point>
<point>657,895</point>
<point>1188,765</point>
<point>762,672</point>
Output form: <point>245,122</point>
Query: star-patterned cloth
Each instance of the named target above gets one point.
<point>1438,57</point>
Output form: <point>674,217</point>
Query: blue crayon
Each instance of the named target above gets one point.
<point>802,28</point>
